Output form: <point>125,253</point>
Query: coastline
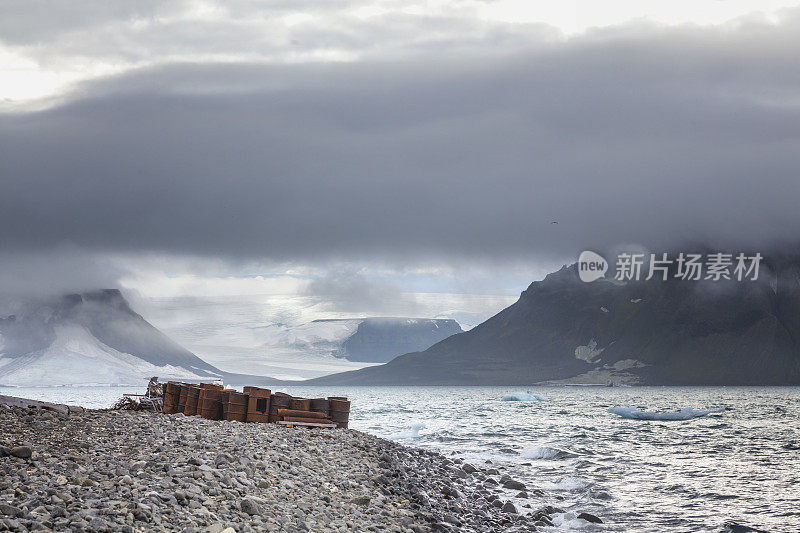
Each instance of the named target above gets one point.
<point>123,471</point>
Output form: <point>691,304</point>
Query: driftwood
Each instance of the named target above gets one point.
<point>56,407</point>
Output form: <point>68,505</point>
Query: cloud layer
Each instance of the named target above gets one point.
<point>639,134</point>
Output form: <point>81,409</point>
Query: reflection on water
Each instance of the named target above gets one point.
<point>742,465</point>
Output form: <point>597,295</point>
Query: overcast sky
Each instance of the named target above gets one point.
<point>363,156</point>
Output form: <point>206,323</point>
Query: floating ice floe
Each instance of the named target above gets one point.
<point>684,414</point>
<point>411,433</point>
<point>523,397</point>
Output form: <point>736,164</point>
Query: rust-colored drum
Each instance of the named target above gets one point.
<point>321,405</point>
<point>301,404</point>
<point>340,412</point>
<point>191,401</point>
<point>172,393</point>
<point>182,398</point>
<point>211,406</point>
<point>258,404</point>
<point>237,406</point>
<point>278,400</point>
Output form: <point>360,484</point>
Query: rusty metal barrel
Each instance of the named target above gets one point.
<point>182,398</point>
<point>211,405</point>
<point>191,401</point>
<point>258,404</point>
<point>277,401</point>
<point>340,411</point>
<point>236,406</point>
<point>301,404</point>
<point>172,393</point>
<point>200,395</point>
<point>283,413</point>
<point>321,405</point>
<point>223,400</point>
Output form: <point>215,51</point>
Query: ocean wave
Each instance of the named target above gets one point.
<point>570,522</point>
<point>568,483</point>
<point>523,397</point>
<point>686,413</point>
<point>545,452</point>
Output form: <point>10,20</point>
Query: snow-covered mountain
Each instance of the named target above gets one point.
<point>90,338</point>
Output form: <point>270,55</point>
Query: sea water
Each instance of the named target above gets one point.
<point>738,465</point>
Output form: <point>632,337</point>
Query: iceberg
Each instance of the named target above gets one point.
<point>411,433</point>
<point>523,397</point>
<point>686,413</point>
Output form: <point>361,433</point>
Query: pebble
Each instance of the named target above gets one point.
<point>139,471</point>
<point>590,518</point>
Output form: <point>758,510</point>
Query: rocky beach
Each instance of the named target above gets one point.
<point>141,471</point>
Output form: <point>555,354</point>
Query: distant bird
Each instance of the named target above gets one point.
<point>554,222</point>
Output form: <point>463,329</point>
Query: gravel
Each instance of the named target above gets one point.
<point>125,471</point>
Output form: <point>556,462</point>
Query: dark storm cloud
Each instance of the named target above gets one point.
<point>638,134</point>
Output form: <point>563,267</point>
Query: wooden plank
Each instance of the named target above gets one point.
<point>306,424</point>
<point>308,420</point>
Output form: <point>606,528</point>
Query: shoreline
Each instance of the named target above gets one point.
<point>105,470</point>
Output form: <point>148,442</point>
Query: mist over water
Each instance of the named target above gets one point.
<point>741,465</point>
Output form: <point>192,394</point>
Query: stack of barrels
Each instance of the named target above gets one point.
<point>254,404</point>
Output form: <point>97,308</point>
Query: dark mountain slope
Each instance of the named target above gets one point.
<point>649,332</point>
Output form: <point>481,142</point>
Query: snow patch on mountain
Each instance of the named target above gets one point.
<point>588,352</point>
<point>77,357</point>
<point>91,338</point>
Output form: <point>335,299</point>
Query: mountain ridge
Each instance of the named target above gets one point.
<point>91,337</point>
<point>673,332</point>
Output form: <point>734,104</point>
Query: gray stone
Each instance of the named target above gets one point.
<point>250,507</point>
<point>468,468</point>
<point>590,518</point>
<point>361,500</point>
<point>8,510</point>
<point>514,485</point>
<point>23,452</point>
<point>509,508</point>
